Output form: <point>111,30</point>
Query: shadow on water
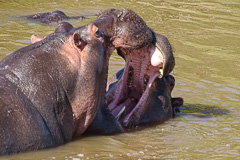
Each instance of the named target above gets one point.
<point>196,111</point>
<point>202,110</point>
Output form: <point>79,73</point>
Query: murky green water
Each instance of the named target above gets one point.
<point>205,35</point>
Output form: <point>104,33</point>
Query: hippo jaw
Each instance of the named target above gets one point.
<point>127,100</point>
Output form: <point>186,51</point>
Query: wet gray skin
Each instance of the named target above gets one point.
<point>45,93</point>
<point>126,102</point>
<point>140,93</point>
<point>52,17</point>
<point>124,28</point>
<point>158,106</point>
<point>54,88</point>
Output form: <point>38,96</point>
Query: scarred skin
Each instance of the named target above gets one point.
<point>52,17</point>
<point>45,98</point>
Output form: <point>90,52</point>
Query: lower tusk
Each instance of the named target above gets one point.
<point>156,56</point>
<point>161,71</point>
<point>118,117</point>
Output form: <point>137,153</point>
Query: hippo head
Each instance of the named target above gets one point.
<point>124,28</point>
<point>83,74</point>
<point>86,53</point>
<point>148,58</point>
<point>145,86</point>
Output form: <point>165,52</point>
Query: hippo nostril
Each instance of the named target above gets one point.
<point>177,102</point>
<point>171,81</point>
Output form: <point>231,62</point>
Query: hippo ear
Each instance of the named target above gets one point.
<point>79,43</point>
<point>63,27</point>
<point>95,31</point>
<point>36,38</point>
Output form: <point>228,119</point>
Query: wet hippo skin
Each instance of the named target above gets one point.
<point>52,17</point>
<point>124,29</point>
<point>59,83</point>
<point>141,93</point>
<point>45,98</point>
<point>158,104</point>
<point>148,61</point>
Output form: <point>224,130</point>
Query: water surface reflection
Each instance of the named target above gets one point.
<point>205,36</point>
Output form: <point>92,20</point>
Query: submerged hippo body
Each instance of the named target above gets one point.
<point>50,91</point>
<point>52,17</point>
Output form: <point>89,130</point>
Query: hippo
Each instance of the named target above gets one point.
<point>143,88</point>
<point>123,28</point>
<point>62,27</point>
<point>141,92</point>
<point>45,93</point>
<point>52,17</point>
<point>54,89</point>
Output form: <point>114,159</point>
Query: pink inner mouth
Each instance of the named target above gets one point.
<point>132,89</point>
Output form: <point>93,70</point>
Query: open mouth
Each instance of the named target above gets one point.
<point>126,98</point>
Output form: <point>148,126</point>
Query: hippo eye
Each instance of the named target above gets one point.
<point>99,33</point>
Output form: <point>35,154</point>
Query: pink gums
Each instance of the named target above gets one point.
<point>133,94</point>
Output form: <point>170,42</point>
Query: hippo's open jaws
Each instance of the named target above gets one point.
<point>148,58</point>
<point>127,99</point>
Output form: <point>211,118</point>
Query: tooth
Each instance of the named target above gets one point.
<point>150,85</point>
<point>121,113</point>
<point>161,71</point>
<point>156,56</point>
